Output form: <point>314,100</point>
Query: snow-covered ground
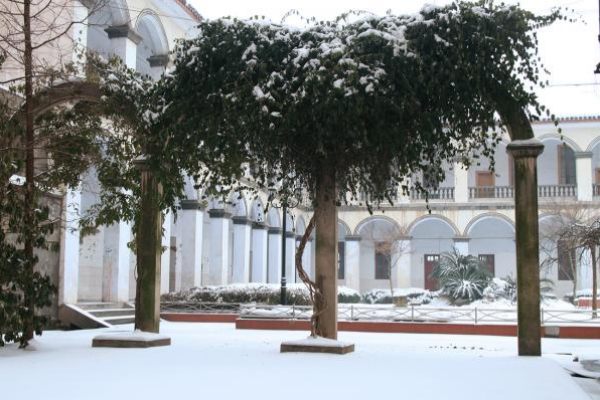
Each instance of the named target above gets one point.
<point>215,361</point>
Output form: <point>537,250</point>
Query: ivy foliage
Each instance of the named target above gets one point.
<point>372,99</point>
<point>99,134</point>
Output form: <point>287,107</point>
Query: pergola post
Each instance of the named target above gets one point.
<point>326,252</point>
<point>525,153</point>
<point>148,249</point>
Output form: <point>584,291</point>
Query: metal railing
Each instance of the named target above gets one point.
<point>442,193</point>
<point>475,315</point>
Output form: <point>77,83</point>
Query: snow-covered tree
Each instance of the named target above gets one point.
<point>349,106</point>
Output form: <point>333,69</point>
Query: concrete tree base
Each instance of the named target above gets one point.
<point>128,340</point>
<point>317,345</point>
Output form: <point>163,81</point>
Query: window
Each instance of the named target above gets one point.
<point>485,182</point>
<point>341,259</point>
<point>597,176</point>
<point>383,260</point>
<point>566,259</point>
<point>489,261</point>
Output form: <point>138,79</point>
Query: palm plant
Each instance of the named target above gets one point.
<point>461,277</point>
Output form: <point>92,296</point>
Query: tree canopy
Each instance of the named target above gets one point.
<point>373,98</point>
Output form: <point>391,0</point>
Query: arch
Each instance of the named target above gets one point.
<point>257,211</point>
<point>152,54</point>
<point>238,206</point>
<point>429,217</point>
<point>342,230</point>
<point>273,218</point>
<point>342,224</point>
<point>366,221</point>
<point>485,216</point>
<point>149,26</point>
<point>563,139</point>
<point>593,144</point>
<point>557,165</point>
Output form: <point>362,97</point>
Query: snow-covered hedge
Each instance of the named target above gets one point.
<point>254,293</point>
<point>410,295</point>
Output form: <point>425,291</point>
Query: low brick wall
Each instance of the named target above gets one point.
<point>199,317</point>
<point>571,332</point>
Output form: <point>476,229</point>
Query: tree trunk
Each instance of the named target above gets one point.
<point>573,262</point>
<point>326,252</point>
<point>29,217</point>
<point>148,252</point>
<point>527,245</point>
<point>594,281</point>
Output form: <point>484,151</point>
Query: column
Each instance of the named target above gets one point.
<point>290,255</point>
<point>124,41</point>
<point>158,63</point>
<point>148,245</point>
<point>69,248</point>
<point>259,252</point>
<point>165,257</point>
<point>218,266</point>
<point>352,262</point>
<point>274,259</point>
<point>525,153</point>
<point>585,180</point>
<point>242,233</point>
<point>190,223</point>
<point>80,34</point>
<point>461,183</point>
<point>461,244</point>
<point>401,263</point>
<point>116,262</point>
<point>404,198</point>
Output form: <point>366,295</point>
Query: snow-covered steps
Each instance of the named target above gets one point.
<point>97,314</point>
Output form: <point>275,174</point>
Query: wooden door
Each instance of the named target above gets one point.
<point>489,261</point>
<point>485,182</point>
<point>430,261</point>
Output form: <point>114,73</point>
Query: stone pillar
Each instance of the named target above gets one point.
<point>290,254</point>
<point>352,262</point>
<point>148,248</point>
<point>116,262</point>
<point>158,63</point>
<point>242,233</point>
<point>124,41</point>
<point>68,281</point>
<point>80,35</point>
<point>401,263</point>
<point>190,224</point>
<point>165,257</point>
<point>461,244</point>
<point>274,261</point>
<point>326,223</point>
<point>218,266</point>
<point>404,198</point>
<point>259,252</point>
<point>461,183</point>
<point>585,179</point>
<point>524,153</point>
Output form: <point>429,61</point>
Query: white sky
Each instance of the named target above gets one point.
<point>569,50</point>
